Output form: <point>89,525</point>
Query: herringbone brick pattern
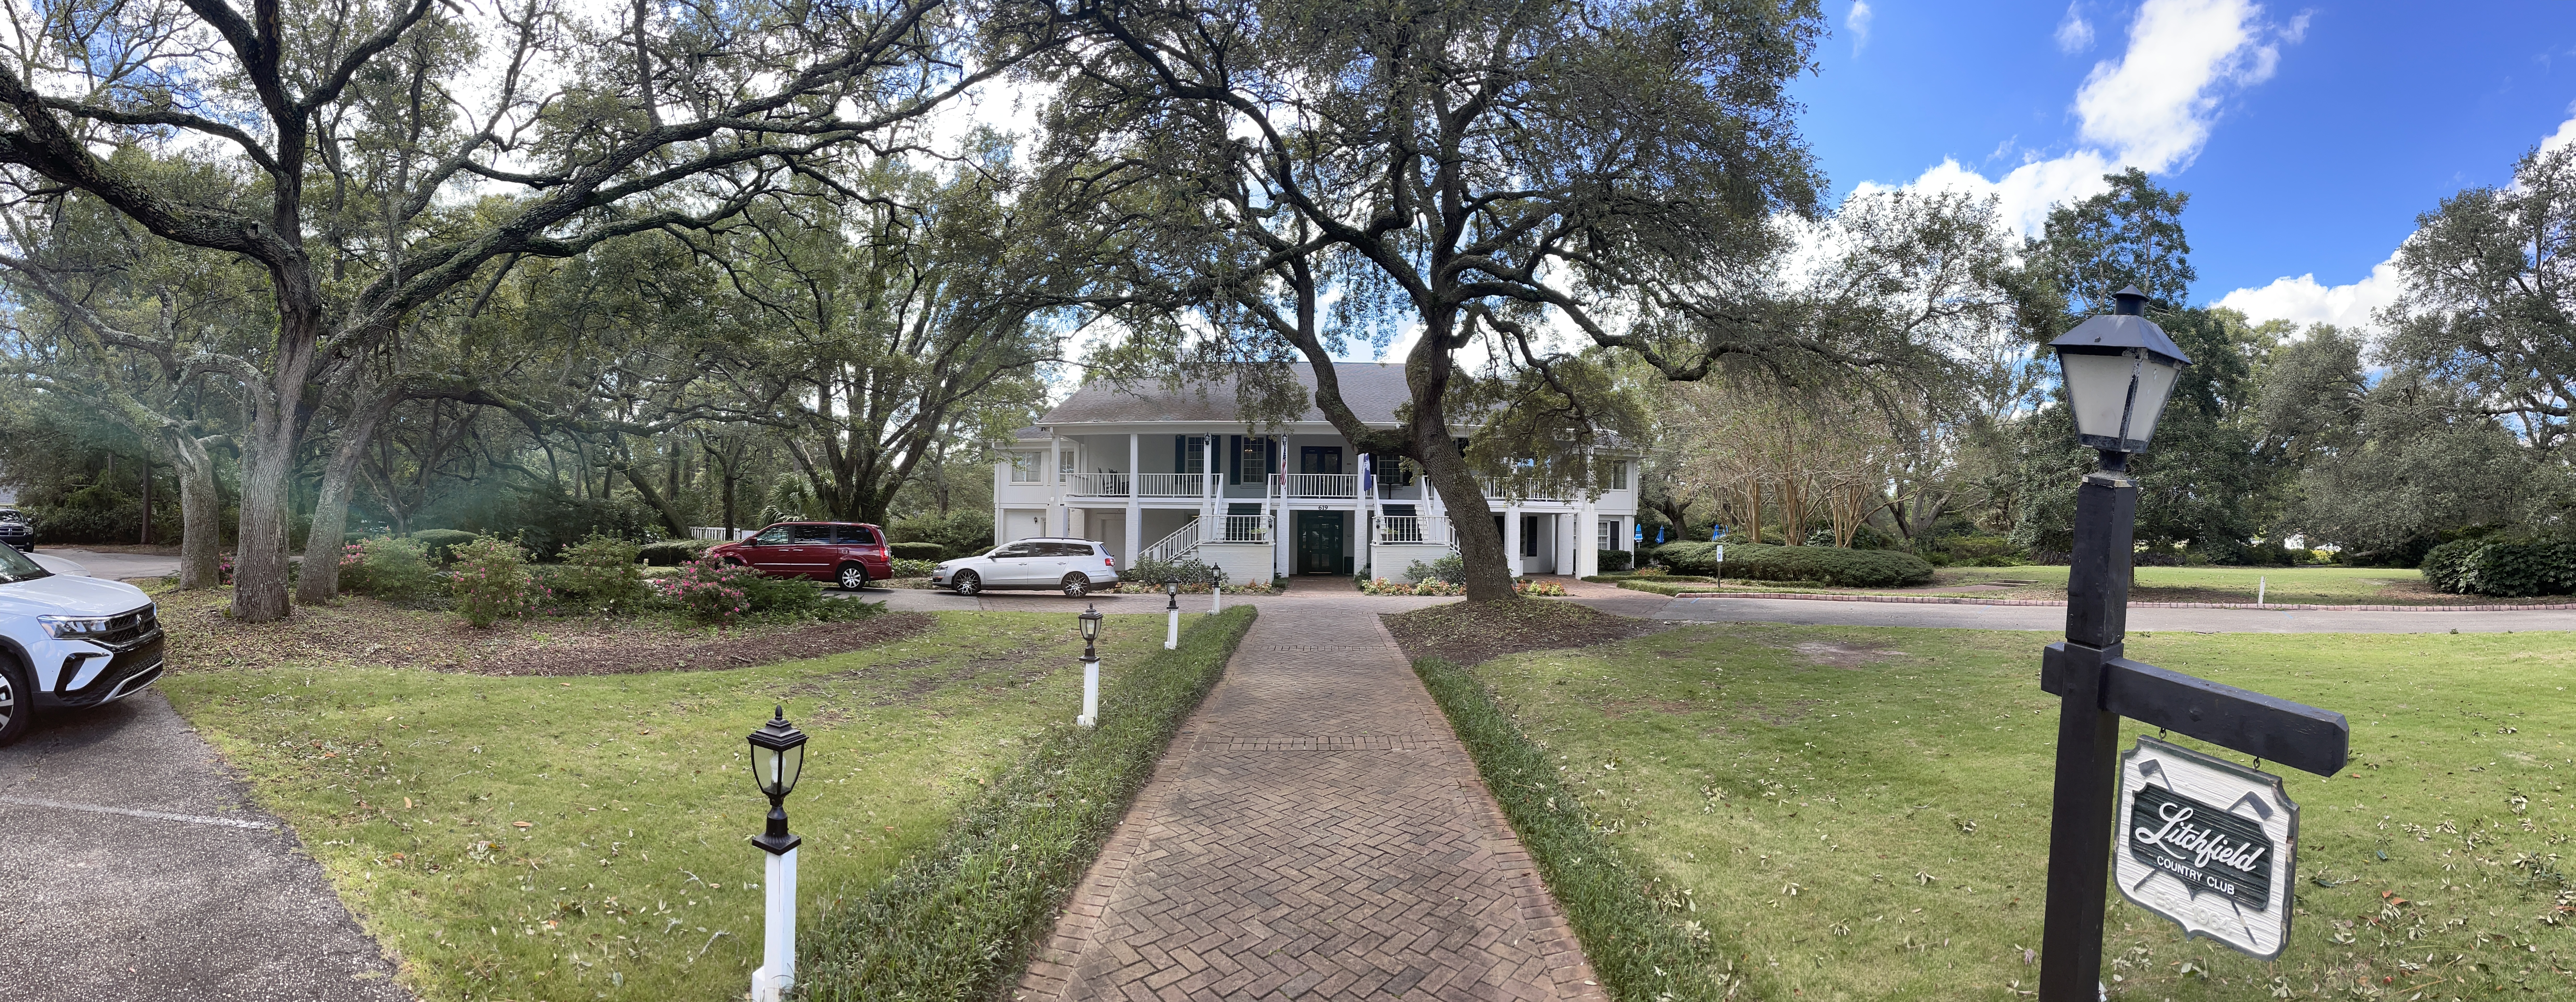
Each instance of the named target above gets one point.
<point>1316,832</point>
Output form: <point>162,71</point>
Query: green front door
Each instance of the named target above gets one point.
<point>1319,542</point>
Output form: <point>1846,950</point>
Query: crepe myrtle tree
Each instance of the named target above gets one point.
<point>1542,195</point>
<point>369,157</point>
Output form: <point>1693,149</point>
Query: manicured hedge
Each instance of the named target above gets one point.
<point>1821,564</point>
<point>2506,568</point>
<point>437,542</point>
<point>673,552</point>
<point>958,922</point>
<point>1613,561</point>
<point>932,552</point>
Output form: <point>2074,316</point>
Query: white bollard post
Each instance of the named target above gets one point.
<point>1216,599</point>
<point>1172,632</point>
<point>1090,693</point>
<point>2261,585</point>
<point>777,973</point>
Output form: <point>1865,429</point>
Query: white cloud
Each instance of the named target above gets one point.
<point>2565,136</point>
<point>2075,34</point>
<point>2303,300</point>
<point>2023,196</point>
<point>2151,108</point>
<point>2156,105</point>
<point>1858,22</point>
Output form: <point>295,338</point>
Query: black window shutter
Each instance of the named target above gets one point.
<point>1180,453</point>
<point>1234,459</point>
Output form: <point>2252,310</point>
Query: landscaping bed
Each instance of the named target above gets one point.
<point>517,837</point>
<point>364,631</point>
<point>2241,585</point>
<point>1469,632</point>
<point>1863,813</point>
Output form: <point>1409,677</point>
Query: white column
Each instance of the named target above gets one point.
<point>777,973</point>
<point>1056,512</point>
<point>1282,525</point>
<point>1135,514</point>
<point>1512,539</point>
<point>1212,484</point>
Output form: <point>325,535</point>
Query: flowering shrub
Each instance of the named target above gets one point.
<point>386,567</point>
<point>491,581</point>
<point>601,574</point>
<point>1527,587</point>
<point>1426,586</point>
<point>710,589</point>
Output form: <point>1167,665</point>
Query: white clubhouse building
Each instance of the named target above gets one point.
<point>1162,473</point>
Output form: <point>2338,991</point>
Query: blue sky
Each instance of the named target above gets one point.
<point>2309,136</point>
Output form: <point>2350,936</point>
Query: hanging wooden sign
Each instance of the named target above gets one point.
<point>2208,843</point>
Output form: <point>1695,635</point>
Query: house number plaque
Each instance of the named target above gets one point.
<point>2207,843</point>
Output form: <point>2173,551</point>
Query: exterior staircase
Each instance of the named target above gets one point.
<point>1181,543</point>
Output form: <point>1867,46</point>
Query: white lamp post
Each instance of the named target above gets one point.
<point>777,758</point>
<point>1090,620</point>
<point>1172,610</point>
<point>2118,371</point>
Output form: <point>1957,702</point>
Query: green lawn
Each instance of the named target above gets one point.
<point>1863,813</point>
<point>534,837</point>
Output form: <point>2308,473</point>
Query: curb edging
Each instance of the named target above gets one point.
<point>2264,607</point>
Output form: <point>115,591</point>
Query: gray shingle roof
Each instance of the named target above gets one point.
<point>1372,389</point>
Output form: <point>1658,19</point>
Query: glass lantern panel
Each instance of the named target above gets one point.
<point>791,764</point>
<point>2155,383</point>
<point>2098,388</point>
<point>764,768</point>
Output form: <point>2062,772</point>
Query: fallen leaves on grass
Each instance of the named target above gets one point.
<point>1469,633</point>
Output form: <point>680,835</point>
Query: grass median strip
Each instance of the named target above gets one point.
<point>1637,926</point>
<point>957,920</point>
<point>583,837</point>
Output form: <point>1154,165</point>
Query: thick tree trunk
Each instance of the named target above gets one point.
<point>201,511</point>
<point>320,579</point>
<point>671,521</point>
<point>1471,521</point>
<point>268,462</point>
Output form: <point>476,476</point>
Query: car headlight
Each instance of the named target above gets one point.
<point>74,627</point>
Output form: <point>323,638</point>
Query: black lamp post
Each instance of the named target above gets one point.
<point>777,759</point>
<point>1090,622</point>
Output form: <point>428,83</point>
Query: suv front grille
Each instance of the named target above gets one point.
<point>127,627</point>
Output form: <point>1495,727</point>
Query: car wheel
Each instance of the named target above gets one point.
<point>17,701</point>
<point>1076,586</point>
<point>851,577</point>
<point>733,561</point>
<point>967,583</point>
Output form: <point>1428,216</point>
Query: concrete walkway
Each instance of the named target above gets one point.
<point>1315,832</point>
<point>115,566</point>
<point>133,866</point>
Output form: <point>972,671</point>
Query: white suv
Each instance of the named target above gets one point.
<point>69,641</point>
<point>1074,565</point>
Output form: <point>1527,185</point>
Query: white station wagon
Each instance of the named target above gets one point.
<point>1075,566</point>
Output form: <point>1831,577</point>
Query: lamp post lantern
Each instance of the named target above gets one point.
<point>1172,631</point>
<point>777,759</point>
<point>2118,371</point>
<point>1090,622</point>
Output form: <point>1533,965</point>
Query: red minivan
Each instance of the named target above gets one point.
<point>848,554</point>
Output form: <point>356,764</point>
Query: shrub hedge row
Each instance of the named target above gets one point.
<point>1821,564</point>
<point>2506,568</point>
<point>958,922</point>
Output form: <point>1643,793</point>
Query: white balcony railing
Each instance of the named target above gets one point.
<point>1171,485</point>
<point>1321,485</point>
<point>1254,529</point>
<point>1427,530</point>
<point>1097,485</point>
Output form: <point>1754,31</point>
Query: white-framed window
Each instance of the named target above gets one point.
<point>1614,474</point>
<point>1608,538</point>
<point>1025,467</point>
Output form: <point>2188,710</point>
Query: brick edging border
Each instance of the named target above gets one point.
<point>2265,607</point>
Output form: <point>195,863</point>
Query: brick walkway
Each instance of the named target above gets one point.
<point>1315,832</point>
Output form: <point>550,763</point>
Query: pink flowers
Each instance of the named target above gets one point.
<point>710,589</point>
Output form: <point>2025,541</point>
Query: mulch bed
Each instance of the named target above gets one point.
<point>1469,633</point>
<point>367,632</point>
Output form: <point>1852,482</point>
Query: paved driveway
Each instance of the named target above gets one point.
<point>1799,611</point>
<point>116,566</point>
<point>133,866</point>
